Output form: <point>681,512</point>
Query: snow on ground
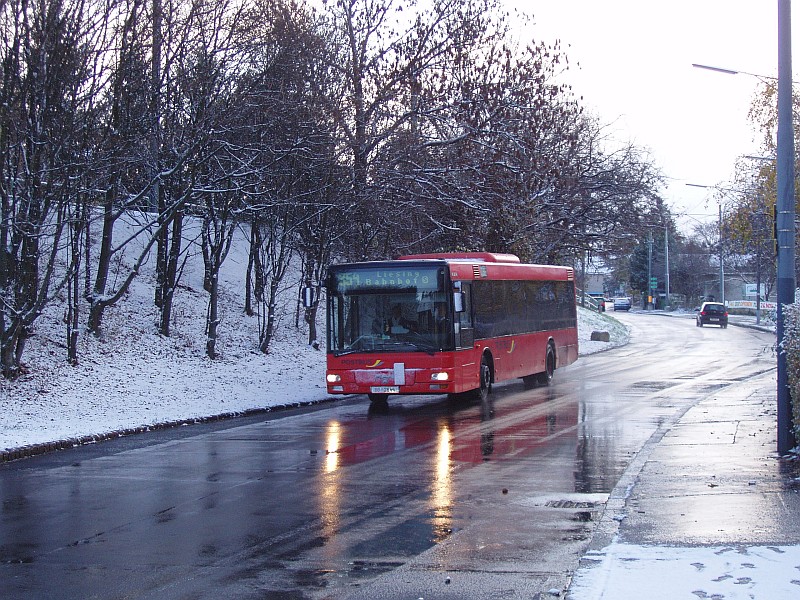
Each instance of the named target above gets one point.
<point>589,321</point>
<point>136,378</point>
<point>626,571</point>
<point>132,377</point>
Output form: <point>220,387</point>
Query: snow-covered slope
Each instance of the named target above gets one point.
<point>132,377</point>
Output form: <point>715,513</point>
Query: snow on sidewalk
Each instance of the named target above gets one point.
<point>627,572</point>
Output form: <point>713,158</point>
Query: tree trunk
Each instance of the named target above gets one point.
<point>171,274</point>
<point>208,258</point>
<point>213,317</point>
<point>311,320</point>
<point>97,307</point>
<point>255,268</point>
<point>269,331</point>
<point>161,252</point>
<point>7,354</point>
<point>248,281</point>
<point>73,286</point>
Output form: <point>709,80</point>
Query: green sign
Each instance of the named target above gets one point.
<point>653,283</point>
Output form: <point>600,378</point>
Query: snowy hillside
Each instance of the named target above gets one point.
<point>132,377</point>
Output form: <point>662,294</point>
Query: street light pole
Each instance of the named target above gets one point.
<point>667,303</point>
<point>721,260</point>
<point>785,217</point>
<point>651,296</point>
<point>785,213</point>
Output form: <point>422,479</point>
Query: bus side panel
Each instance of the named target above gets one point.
<point>521,355</point>
<point>518,355</point>
<point>566,347</point>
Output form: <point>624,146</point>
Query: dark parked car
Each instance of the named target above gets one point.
<point>712,313</point>
<point>622,303</point>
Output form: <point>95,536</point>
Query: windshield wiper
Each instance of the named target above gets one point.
<point>345,352</point>
<point>428,348</point>
<point>390,346</point>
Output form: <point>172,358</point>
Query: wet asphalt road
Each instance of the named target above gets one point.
<point>430,499</point>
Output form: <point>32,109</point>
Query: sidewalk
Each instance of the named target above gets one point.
<point>706,510</point>
<point>750,321</point>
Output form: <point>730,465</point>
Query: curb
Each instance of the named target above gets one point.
<point>12,454</point>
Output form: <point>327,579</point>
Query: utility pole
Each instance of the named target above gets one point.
<point>759,248</point>
<point>649,268</point>
<point>785,217</point>
<point>721,255</point>
<point>666,266</point>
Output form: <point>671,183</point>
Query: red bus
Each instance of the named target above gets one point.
<point>450,323</point>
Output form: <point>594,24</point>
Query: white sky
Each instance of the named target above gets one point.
<point>631,60</point>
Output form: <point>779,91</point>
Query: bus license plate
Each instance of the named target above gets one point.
<point>385,389</point>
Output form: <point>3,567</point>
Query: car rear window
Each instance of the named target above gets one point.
<point>715,308</point>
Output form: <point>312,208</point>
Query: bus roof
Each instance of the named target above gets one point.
<point>493,257</point>
<point>465,266</point>
<point>491,265</point>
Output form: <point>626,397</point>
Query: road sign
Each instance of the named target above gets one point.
<point>653,283</point>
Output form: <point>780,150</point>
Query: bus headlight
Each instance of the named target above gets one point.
<point>333,378</point>
<point>439,377</point>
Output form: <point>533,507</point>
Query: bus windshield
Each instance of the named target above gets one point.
<point>378,310</point>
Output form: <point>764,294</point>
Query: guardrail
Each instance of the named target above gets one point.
<point>590,301</point>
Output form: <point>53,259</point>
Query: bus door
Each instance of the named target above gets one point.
<point>465,329</point>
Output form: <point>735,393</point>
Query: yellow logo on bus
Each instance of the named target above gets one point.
<point>511,349</point>
<point>377,363</point>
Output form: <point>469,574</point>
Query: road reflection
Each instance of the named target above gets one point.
<point>442,493</point>
<point>314,503</point>
<point>330,492</point>
<point>332,441</point>
<point>463,433</point>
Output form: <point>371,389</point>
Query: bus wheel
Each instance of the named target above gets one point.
<point>482,393</point>
<point>546,376</point>
<point>379,398</point>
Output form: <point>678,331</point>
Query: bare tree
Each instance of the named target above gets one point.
<point>394,65</point>
<point>50,81</point>
<point>292,148</point>
<point>218,228</point>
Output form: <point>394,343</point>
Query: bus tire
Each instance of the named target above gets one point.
<point>485,377</point>
<point>546,376</point>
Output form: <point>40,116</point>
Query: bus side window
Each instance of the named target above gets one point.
<point>465,332</point>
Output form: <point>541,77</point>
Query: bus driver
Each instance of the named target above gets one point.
<point>397,323</point>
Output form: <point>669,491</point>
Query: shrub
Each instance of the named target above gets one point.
<point>791,345</point>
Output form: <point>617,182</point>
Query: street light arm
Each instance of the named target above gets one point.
<point>718,69</point>
<point>732,72</point>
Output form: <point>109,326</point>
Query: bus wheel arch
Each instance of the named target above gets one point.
<point>546,376</point>
<point>485,376</point>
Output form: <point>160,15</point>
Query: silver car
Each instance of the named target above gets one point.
<point>622,303</point>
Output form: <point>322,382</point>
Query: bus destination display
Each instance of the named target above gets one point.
<point>388,279</point>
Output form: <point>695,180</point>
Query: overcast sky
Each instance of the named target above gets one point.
<point>631,60</point>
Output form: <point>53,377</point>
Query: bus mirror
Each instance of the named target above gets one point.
<point>308,297</point>
<point>458,301</point>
